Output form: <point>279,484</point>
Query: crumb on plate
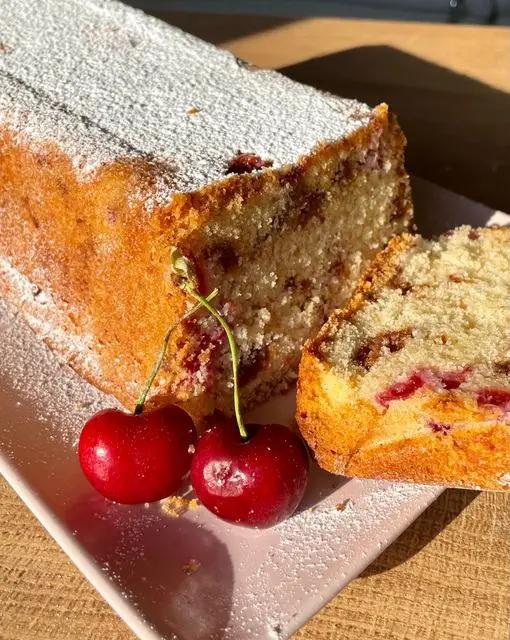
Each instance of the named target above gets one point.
<point>342,506</point>
<point>176,506</point>
<point>191,567</point>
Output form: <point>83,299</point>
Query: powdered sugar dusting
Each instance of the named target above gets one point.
<point>40,311</point>
<point>105,82</point>
<point>251,584</point>
<point>62,400</point>
<point>141,551</point>
<point>361,530</point>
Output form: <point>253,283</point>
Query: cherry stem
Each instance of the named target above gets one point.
<point>143,396</point>
<point>189,287</point>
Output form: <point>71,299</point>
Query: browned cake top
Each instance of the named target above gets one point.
<point>106,82</point>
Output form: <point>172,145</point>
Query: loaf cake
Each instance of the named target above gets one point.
<point>411,379</point>
<point>122,137</point>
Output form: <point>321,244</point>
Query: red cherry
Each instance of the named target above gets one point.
<point>137,458</point>
<point>258,482</point>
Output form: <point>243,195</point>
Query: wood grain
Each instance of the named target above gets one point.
<point>446,578</point>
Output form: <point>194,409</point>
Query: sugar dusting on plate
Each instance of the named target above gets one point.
<point>322,538</point>
<point>279,574</point>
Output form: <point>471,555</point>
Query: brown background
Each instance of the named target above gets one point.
<point>448,576</point>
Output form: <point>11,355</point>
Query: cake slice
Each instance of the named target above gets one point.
<point>411,380</point>
<point>122,137</point>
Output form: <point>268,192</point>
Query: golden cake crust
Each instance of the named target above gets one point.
<point>349,435</point>
<point>101,259</point>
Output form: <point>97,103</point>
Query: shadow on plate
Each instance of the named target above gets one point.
<point>458,129</point>
<point>175,572</point>
<point>436,209</point>
<point>432,521</point>
<point>321,484</point>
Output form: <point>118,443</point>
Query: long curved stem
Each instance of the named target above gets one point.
<point>143,396</point>
<point>233,352</point>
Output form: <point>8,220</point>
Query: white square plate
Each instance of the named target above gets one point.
<point>249,584</point>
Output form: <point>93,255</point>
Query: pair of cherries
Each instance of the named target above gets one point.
<point>252,475</point>
<point>258,481</point>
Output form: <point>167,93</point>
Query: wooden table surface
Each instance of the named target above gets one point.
<point>448,576</point>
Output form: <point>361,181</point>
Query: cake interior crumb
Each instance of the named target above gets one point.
<point>288,257</point>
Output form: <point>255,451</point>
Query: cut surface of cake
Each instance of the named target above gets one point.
<point>122,137</point>
<point>411,379</point>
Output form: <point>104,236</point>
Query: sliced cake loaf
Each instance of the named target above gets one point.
<point>411,380</point>
<point>121,137</point>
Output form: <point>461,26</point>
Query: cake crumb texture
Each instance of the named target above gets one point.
<point>410,381</point>
<point>176,506</point>
<point>121,138</point>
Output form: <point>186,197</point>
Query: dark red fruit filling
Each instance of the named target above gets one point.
<point>406,388</point>
<point>309,206</point>
<point>453,379</point>
<point>224,254</point>
<point>455,277</point>
<point>391,341</point>
<point>251,364</point>
<point>346,171</point>
<point>503,367</point>
<point>247,162</point>
<point>292,176</point>
<point>401,390</point>
<point>441,428</point>
<point>206,342</point>
<point>495,397</point>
